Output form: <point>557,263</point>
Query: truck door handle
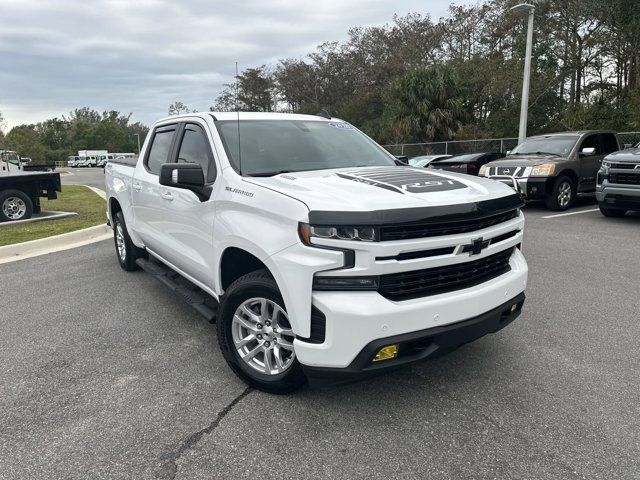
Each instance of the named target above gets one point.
<point>167,196</point>
<point>137,187</point>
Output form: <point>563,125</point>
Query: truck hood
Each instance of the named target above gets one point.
<point>631,155</point>
<point>381,188</point>
<point>524,160</point>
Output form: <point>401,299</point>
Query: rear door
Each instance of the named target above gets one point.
<point>149,217</point>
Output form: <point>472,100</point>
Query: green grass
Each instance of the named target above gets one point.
<point>74,198</point>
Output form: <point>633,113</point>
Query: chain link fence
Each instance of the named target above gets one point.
<point>459,147</point>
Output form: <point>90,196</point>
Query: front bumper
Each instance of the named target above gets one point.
<point>355,319</point>
<point>417,346</point>
<point>624,197</point>
<point>531,188</point>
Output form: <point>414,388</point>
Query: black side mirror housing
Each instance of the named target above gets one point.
<point>402,160</point>
<point>188,176</point>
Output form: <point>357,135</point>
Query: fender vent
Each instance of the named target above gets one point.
<point>318,327</point>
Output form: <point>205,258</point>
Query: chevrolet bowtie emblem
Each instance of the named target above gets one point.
<point>476,247</point>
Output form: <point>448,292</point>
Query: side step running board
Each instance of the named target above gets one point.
<point>203,303</point>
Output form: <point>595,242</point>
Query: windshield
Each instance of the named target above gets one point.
<point>269,147</point>
<point>556,145</point>
<point>11,157</point>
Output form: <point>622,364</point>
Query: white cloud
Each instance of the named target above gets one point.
<point>141,55</point>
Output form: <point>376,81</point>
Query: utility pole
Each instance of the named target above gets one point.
<point>524,105</point>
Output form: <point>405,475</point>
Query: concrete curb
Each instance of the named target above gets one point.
<point>57,243</point>
<point>50,215</point>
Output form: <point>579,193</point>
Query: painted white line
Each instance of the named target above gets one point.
<point>101,193</point>
<point>572,213</point>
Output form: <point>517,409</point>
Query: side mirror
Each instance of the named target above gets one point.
<point>188,176</point>
<point>587,151</point>
<point>402,160</point>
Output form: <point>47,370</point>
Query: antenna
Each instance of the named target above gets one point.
<point>238,122</point>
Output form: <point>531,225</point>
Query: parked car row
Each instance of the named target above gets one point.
<point>557,168</point>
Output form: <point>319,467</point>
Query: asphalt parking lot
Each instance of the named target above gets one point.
<point>105,374</point>
<point>92,176</point>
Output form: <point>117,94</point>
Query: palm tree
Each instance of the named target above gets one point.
<point>425,105</point>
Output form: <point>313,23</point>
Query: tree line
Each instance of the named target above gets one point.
<point>82,129</point>
<point>416,80</point>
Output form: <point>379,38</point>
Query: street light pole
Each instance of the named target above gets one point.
<point>524,105</point>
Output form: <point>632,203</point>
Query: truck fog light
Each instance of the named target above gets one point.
<point>387,353</point>
<point>514,307</point>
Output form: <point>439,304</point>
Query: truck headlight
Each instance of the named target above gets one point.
<point>483,168</point>
<point>363,234</point>
<point>605,166</point>
<point>544,170</point>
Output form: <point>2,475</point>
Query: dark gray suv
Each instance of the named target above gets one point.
<point>555,167</point>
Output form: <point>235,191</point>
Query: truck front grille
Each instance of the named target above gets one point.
<point>431,281</point>
<point>624,178</point>
<point>406,231</point>
<point>624,166</point>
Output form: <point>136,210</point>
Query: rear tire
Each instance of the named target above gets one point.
<point>562,194</point>
<point>611,212</point>
<point>255,336</point>
<point>15,205</point>
<point>126,252</point>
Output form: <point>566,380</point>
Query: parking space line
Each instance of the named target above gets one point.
<point>572,213</point>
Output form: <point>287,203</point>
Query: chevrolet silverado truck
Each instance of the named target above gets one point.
<point>618,184</point>
<point>556,167</point>
<point>327,261</point>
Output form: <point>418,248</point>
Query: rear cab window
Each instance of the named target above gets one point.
<point>609,143</point>
<point>160,148</point>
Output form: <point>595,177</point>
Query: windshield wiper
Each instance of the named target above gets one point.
<point>267,174</point>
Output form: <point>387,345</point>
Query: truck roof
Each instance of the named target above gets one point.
<point>250,116</point>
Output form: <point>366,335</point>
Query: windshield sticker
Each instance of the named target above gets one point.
<point>341,126</point>
<point>402,179</point>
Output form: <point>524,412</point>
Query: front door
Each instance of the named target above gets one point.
<point>589,162</point>
<point>189,221</point>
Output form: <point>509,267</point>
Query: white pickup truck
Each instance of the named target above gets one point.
<point>330,259</point>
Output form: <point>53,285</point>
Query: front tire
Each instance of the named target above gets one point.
<point>255,335</point>
<point>126,251</point>
<point>562,194</point>
<point>15,205</point>
<point>611,212</point>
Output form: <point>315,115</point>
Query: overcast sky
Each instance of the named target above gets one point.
<point>141,55</point>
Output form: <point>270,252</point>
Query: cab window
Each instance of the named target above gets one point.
<point>160,148</point>
<point>194,148</point>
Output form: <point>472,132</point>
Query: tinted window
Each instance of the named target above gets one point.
<point>159,151</point>
<point>609,143</point>
<point>195,148</point>
<point>591,142</point>
<point>267,147</point>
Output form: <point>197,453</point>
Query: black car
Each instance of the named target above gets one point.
<point>469,163</point>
